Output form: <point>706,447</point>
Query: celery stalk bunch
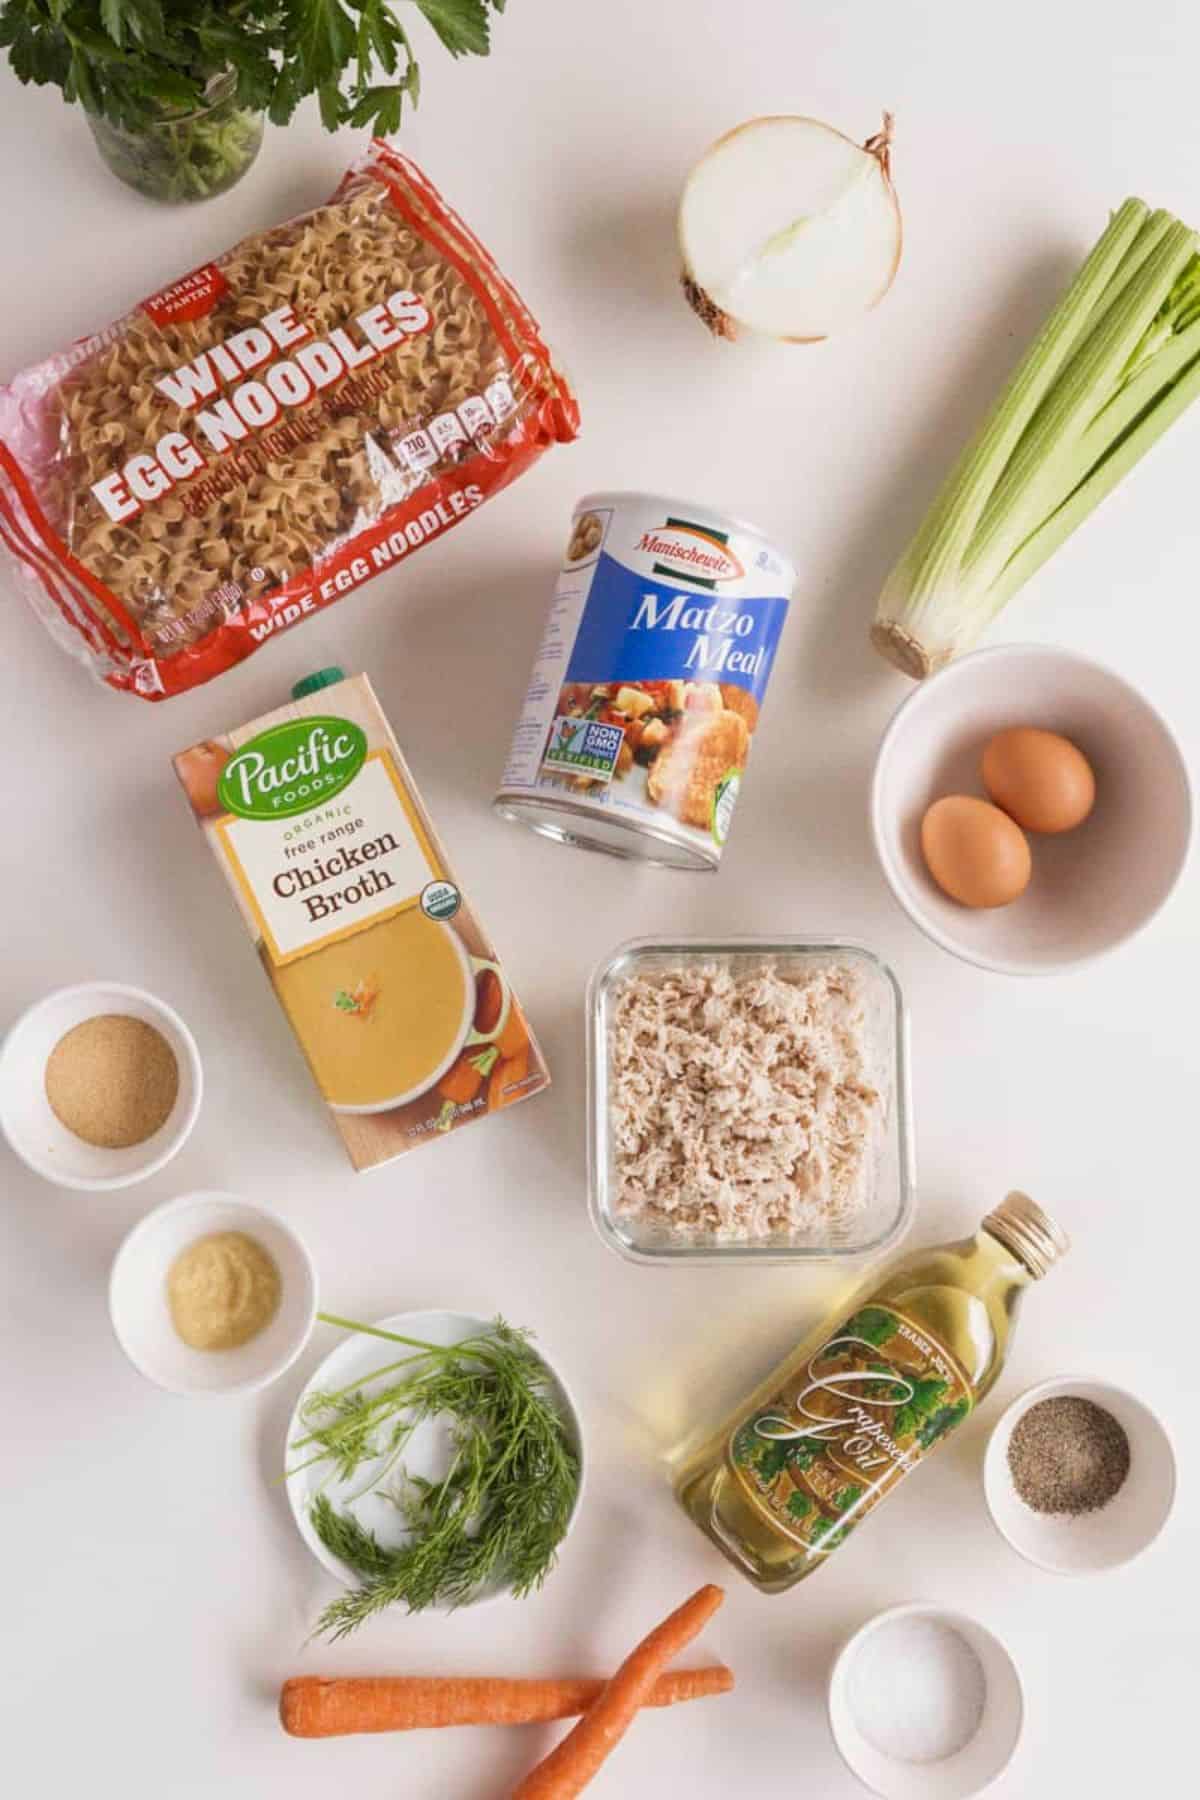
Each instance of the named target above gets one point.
<point>1115,363</point>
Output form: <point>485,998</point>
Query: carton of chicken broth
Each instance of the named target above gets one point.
<point>386,975</point>
<point>647,686</point>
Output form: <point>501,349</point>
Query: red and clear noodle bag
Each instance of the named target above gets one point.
<point>270,431</point>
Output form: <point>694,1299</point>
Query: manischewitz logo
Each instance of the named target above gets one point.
<point>695,553</point>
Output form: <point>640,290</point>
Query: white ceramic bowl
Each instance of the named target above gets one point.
<point>1115,1533</point>
<point>32,1130</point>
<point>141,1318</point>
<point>982,1758</point>
<point>1092,888</point>
<point>426,1454</point>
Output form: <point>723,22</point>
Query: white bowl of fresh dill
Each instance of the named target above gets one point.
<point>434,1460</point>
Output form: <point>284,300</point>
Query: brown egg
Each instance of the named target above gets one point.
<point>974,851</point>
<point>1040,779</point>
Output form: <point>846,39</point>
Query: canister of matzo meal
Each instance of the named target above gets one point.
<point>383,969</point>
<point>647,687</point>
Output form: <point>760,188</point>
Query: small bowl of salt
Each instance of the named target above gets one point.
<point>925,1704</point>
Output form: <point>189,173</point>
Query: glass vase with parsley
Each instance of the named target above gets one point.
<point>865,1398</point>
<point>176,91</point>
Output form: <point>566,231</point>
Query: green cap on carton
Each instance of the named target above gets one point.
<point>320,678</point>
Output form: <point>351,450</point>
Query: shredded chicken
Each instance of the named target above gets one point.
<point>741,1104</point>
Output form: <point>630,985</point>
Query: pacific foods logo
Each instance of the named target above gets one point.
<point>681,548</point>
<point>292,767</point>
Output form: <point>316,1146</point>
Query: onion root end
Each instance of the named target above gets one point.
<point>707,310</point>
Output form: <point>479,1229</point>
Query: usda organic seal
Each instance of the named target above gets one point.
<point>440,900</point>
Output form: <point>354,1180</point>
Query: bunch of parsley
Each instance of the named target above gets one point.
<point>134,61</point>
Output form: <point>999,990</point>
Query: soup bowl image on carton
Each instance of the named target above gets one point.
<point>386,975</point>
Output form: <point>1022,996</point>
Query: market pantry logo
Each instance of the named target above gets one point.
<point>287,769</point>
<point>700,556</point>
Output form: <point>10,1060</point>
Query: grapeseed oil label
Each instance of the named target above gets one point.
<point>853,1420</point>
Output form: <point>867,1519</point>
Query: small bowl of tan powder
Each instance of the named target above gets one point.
<point>210,1294</point>
<point>100,1085</point>
<point>1079,1475</point>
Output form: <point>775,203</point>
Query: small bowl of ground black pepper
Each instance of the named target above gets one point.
<point>100,1085</point>
<point>1079,1476</point>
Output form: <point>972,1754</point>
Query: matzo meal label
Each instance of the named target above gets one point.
<point>648,684</point>
<point>320,834</point>
<point>851,1423</point>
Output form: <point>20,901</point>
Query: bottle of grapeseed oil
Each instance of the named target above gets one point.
<point>864,1399</point>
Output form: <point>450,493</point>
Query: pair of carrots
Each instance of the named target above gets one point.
<point>572,1764</point>
<point>313,1707</point>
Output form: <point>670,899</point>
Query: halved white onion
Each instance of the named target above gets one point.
<point>789,229</point>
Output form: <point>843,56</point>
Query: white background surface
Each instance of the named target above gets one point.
<point>155,1590</point>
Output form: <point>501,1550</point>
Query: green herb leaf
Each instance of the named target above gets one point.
<point>332,107</point>
<point>165,85</point>
<point>286,96</point>
<point>113,14</point>
<point>462,25</point>
<point>83,84</point>
<point>384,34</point>
<point>379,107</point>
<point>122,19</point>
<point>324,39</point>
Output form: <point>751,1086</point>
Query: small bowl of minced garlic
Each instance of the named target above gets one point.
<point>210,1294</point>
<point>100,1085</point>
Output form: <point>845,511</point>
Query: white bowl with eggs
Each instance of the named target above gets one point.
<point>141,1308</point>
<point>1089,888</point>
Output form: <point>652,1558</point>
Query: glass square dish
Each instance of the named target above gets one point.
<point>886,1208</point>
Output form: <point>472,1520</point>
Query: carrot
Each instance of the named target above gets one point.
<point>315,1706</point>
<point>572,1763</point>
<point>515,1036</point>
<point>506,1076</point>
<point>461,1082</point>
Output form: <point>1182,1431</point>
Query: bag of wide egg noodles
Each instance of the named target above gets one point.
<point>270,431</point>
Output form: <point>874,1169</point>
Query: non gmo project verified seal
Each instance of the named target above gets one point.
<point>583,747</point>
